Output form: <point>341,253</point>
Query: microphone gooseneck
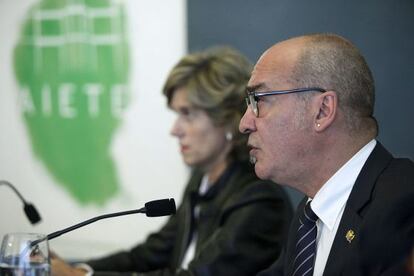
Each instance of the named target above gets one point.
<point>29,209</point>
<point>89,221</point>
<point>155,208</point>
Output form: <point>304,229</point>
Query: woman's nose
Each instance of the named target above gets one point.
<point>176,129</point>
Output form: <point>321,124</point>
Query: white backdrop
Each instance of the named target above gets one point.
<point>145,155</point>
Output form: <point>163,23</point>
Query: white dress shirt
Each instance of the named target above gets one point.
<point>329,204</point>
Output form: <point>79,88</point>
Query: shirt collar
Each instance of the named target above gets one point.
<point>207,190</point>
<point>204,185</point>
<point>330,200</point>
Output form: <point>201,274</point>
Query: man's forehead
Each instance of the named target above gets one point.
<point>275,66</point>
<point>269,76</point>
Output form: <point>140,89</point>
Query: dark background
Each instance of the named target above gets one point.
<point>382,29</point>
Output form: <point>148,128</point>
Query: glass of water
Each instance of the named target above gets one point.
<point>24,254</point>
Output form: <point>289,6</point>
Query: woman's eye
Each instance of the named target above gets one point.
<point>187,113</point>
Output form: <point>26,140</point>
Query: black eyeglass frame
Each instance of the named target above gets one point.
<point>253,96</point>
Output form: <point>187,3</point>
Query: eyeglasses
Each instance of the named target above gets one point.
<point>253,97</point>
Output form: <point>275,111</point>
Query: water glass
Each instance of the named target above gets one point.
<point>24,254</point>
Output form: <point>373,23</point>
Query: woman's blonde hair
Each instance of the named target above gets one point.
<point>216,82</point>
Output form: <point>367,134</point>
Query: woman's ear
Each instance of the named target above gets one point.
<point>229,135</point>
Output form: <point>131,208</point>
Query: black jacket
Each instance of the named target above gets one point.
<point>384,187</point>
<point>240,230</point>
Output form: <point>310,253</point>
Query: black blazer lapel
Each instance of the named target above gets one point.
<point>184,221</point>
<point>345,241</point>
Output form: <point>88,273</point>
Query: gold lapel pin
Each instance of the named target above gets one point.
<point>350,235</point>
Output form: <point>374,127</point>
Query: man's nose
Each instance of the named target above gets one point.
<point>247,123</point>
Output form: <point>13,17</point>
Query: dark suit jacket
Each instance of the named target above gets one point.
<point>241,227</point>
<point>383,181</point>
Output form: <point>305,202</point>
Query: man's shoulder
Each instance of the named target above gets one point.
<point>396,180</point>
<point>402,166</point>
<point>388,225</point>
<point>383,179</point>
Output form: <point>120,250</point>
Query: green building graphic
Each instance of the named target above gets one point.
<point>71,64</point>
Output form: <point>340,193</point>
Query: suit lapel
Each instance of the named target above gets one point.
<point>184,225</point>
<point>345,240</point>
<point>347,236</point>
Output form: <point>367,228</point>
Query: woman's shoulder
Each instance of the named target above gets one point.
<point>248,186</point>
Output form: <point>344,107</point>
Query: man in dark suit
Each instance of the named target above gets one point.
<point>311,127</point>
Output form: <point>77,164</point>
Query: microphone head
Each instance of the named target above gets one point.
<point>31,213</point>
<point>160,207</point>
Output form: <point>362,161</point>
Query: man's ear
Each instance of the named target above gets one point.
<point>326,110</point>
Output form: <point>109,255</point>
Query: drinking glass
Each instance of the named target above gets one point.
<point>24,254</point>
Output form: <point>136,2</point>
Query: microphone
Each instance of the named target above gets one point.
<point>30,210</point>
<point>155,208</point>
<point>159,208</point>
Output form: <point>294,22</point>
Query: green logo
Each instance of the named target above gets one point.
<point>71,63</point>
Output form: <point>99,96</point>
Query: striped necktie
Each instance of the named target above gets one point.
<point>306,243</point>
